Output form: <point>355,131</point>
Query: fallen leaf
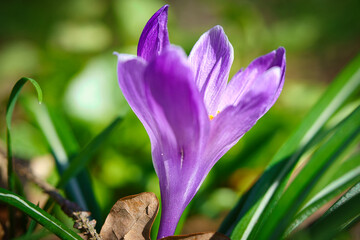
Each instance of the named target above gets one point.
<point>131,218</point>
<point>199,236</point>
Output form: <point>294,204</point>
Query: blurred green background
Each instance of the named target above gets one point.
<point>67,47</point>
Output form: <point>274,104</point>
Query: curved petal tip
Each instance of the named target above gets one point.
<point>154,37</point>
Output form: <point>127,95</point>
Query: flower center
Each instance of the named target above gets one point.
<point>211,117</point>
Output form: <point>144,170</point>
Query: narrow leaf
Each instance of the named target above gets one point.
<point>85,155</point>
<point>40,234</point>
<point>71,161</point>
<point>9,111</point>
<point>282,213</point>
<point>339,217</point>
<point>332,190</point>
<point>268,187</point>
<point>72,149</point>
<point>43,118</point>
<point>39,215</point>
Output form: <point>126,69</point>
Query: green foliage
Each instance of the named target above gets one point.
<point>70,160</point>
<point>268,208</point>
<point>38,215</point>
<point>82,159</point>
<point>9,112</point>
<point>299,188</point>
<point>350,175</point>
<point>340,216</point>
<point>68,47</point>
<point>61,152</point>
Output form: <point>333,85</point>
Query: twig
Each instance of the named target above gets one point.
<point>82,221</point>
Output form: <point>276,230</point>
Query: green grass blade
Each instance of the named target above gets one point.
<point>70,160</point>
<point>340,216</point>
<point>41,234</point>
<point>229,223</point>
<point>333,189</point>
<point>60,153</point>
<point>245,204</point>
<point>268,186</point>
<point>347,162</point>
<point>81,160</point>
<point>39,215</point>
<point>276,223</point>
<point>9,111</point>
<point>72,148</point>
<point>31,228</point>
<point>64,131</point>
<point>326,176</point>
<point>77,170</point>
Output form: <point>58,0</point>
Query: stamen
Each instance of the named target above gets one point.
<point>211,117</point>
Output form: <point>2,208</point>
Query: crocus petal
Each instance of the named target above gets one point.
<point>211,59</point>
<point>245,80</point>
<point>154,38</point>
<point>183,126</point>
<point>234,121</point>
<point>174,95</point>
<point>131,81</point>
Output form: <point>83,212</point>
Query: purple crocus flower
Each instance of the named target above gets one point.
<point>192,114</point>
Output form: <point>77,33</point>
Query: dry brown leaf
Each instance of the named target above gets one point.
<point>199,236</point>
<point>131,218</point>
